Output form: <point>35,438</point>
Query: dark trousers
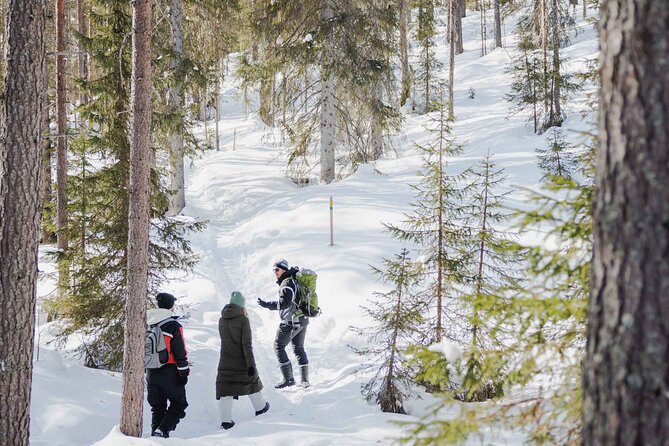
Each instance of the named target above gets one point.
<point>163,386</point>
<point>291,334</point>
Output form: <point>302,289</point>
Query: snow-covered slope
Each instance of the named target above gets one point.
<point>257,215</point>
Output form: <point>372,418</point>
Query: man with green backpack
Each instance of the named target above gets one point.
<point>295,305</point>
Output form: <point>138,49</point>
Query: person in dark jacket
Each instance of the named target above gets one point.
<point>168,383</point>
<point>293,325</point>
<point>237,371</point>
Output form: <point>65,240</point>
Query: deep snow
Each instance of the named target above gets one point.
<point>256,215</point>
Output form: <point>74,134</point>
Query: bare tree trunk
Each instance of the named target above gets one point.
<point>46,193</point>
<point>82,20</point>
<point>557,88</point>
<point>460,6</point>
<point>20,157</point>
<point>138,224</point>
<point>405,11</point>
<point>61,148</point>
<point>174,105</point>
<point>328,112</point>
<point>498,24</point>
<point>451,59</point>
<point>217,97</point>
<point>626,371</point>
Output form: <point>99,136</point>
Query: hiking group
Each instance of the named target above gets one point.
<point>166,360</point>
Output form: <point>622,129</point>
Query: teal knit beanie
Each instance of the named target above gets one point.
<point>237,298</point>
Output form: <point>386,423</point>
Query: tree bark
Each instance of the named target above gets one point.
<point>460,7</point>
<point>82,20</point>
<point>328,113</point>
<point>138,224</point>
<point>498,24</point>
<point>451,58</point>
<point>20,157</point>
<point>61,146</point>
<point>626,369</point>
<point>46,193</point>
<point>174,105</point>
<point>405,11</point>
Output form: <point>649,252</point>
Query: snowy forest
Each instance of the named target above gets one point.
<point>472,193</point>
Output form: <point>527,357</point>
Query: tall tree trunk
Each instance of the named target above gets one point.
<point>498,24</point>
<point>451,59</point>
<point>626,371</point>
<point>405,11</point>
<point>20,157</point>
<point>82,20</point>
<point>138,224</point>
<point>61,148</point>
<point>46,193</point>
<point>175,105</point>
<point>556,107</point>
<point>460,6</point>
<point>328,112</point>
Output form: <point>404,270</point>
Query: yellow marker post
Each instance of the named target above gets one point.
<point>331,222</point>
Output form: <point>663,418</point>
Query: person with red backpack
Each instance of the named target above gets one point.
<point>293,326</point>
<point>168,382</point>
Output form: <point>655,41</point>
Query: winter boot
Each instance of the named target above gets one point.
<point>160,433</point>
<point>263,410</point>
<point>287,372</point>
<point>304,375</point>
<point>227,425</point>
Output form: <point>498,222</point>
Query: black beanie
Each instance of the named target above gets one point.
<point>165,300</point>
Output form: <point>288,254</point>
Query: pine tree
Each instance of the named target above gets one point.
<point>138,220</point>
<point>395,315</point>
<point>433,225</point>
<point>93,306</point>
<point>20,155</point>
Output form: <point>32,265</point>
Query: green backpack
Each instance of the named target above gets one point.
<point>307,299</point>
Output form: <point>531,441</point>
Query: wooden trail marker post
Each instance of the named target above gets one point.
<point>331,223</point>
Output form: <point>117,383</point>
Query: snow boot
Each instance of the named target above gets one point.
<point>263,410</point>
<point>287,372</point>
<point>160,433</point>
<point>225,425</point>
<point>304,375</point>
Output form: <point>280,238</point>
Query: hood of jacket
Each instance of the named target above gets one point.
<point>156,315</point>
<point>231,311</point>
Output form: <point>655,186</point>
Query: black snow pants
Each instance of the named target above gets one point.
<point>287,334</point>
<point>163,385</point>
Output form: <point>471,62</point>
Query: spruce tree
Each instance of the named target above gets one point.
<point>427,65</point>
<point>543,30</point>
<point>559,158</point>
<point>326,59</point>
<point>395,315</point>
<point>433,223</point>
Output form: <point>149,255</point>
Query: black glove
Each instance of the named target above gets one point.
<point>264,304</point>
<point>252,371</point>
<point>184,372</point>
<point>182,380</point>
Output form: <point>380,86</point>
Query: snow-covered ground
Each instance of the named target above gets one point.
<point>256,215</point>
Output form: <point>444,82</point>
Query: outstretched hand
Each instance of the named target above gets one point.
<point>264,304</point>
